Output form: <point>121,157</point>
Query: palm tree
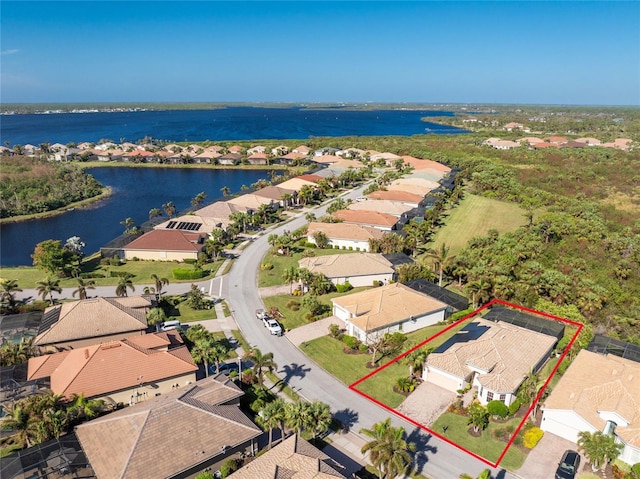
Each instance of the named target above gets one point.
<point>129,225</point>
<point>320,417</point>
<point>169,208</point>
<point>440,258</point>
<point>8,289</point>
<point>153,212</point>
<point>198,199</point>
<point>155,317</point>
<point>388,449</point>
<point>599,448</point>
<point>218,353</point>
<point>82,288</point>
<point>480,291</point>
<point>310,217</point>
<point>225,190</point>
<point>17,418</point>
<point>260,363</point>
<point>48,287</point>
<point>124,282</point>
<point>159,283</point>
<point>298,416</point>
<point>201,352</point>
<point>269,418</point>
<point>415,360</point>
<point>81,408</point>
<point>289,275</point>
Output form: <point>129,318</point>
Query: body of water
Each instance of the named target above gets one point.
<point>234,123</point>
<point>135,192</point>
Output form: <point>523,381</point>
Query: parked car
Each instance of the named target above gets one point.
<point>225,368</point>
<point>568,466</point>
<point>273,326</point>
<point>261,314</point>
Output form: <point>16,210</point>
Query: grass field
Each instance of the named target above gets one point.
<point>485,445</point>
<point>475,216</point>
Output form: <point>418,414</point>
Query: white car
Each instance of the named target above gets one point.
<point>273,326</point>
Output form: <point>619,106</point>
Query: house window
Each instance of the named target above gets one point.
<point>503,397</point>
<point>489,396</point>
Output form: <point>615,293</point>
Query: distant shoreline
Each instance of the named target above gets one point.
<point>106,193</point>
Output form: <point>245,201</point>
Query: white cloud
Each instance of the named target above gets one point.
<point>9,52</point>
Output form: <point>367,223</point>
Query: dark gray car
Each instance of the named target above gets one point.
<point>568,467</point>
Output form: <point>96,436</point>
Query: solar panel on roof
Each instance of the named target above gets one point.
<point>189,226</point>
<point>171,225</point>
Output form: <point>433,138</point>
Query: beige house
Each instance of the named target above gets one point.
<point>358,269</point>
<point>372,219</point>
<point>387,309</point>
<point>92,321</point>
<point>411,199</point>
<point>345,235</point>
<point>293,458</point>
<point>495,357</point>
<point>219,212</point>
<point>597,393</point>
<point>275,193</point>
<point>251,201</point>
<point>175,435</point>
<point>127,371</point>
<point>393,208</point>
<point>166,245</point>
<point>190,223</point>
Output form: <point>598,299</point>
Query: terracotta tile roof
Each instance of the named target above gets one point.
<point>394,208</point>
<point>167,434</point>
<point>386,305</point>
<point>415,189</point>
<point>346,231</point>
<point>105,368</point>
<point>557,139</point>
<point>219,210</point>
<point>296,183</point>
<point>294,458</point>
<point>159,340</point>
<point>422,163</point>
<point>532,140</point>
<point>506,352</point>
<point>250,201</point>
<point>326,159</point>
<point>274,192</point>
<point>92,318</point>
<point>302,149</point>
<point>293,156</point>
<point>596,383</point>
<point>312,178</point>
<point>346,265</point>
<point>396,195</point>
<point>366,217</point>
<point>236,149</point>
<point>167,240</point>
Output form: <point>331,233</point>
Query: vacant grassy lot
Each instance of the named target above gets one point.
<point>475,216</point>
<point>141,271</point>
<point>485,445</point>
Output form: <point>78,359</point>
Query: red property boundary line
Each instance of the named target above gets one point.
<point>353,386</point>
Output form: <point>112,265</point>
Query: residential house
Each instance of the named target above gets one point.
<point>494,357</point>
<point>230,159</point>
<point>389,158</point>
<point>598,392</point>
<point>398,196</point>
<point>557,140</point>
<point>326,159</point>
<point>327,150</point>
<point>258,159</point>
<point>393,208</point>
<point>275,193</point>
<point>126,371</point>
<point>290,158</point>
<point>253,201</point>
<point>345,235</point>
<point>219,213</point>
<point>280,150</point>
<point>174,435</point>
<point>357,269</point>
<point>107,155</point>
<point>369,218</point>
<point>207,156</point>
<point>138,156</point>
<point>311,178</point>
<point>530,140</point>
<point>297,183</point>
<point>256,149</point>
<point>92,321</point>
<point>588,141</point>
<point>414,185</point>
<point>190,222</point>
<point>236,149</point>
<point>293,458</point>
<point>500,144</point>
<point>166,245</point>
<point>351,153</point>
<point>302,150</point>
<point>514,126</point>
<point>387,309</point>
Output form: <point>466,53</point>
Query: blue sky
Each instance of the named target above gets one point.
<point>434,52</point>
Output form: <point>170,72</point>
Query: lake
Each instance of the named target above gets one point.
<point>135,192</point>
<point>233,123</point>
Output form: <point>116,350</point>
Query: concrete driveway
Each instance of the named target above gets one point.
<point>426,403</point>
<point>313,330</point>
<point>542,461</point>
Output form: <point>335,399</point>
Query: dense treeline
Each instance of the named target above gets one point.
<point>30,186</point>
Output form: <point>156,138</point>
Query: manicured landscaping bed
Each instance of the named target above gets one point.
<point>485,445</point>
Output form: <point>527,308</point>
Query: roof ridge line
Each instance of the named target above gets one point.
<point>135,444</point>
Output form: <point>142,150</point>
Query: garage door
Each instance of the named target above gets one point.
<point>442,380</point>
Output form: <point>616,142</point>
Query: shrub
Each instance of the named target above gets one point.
<point>334,330</point>
<point>266,266</point>
<point>115,261</point>
<point>230,466</point>
<point>308,253</point>
<point>351,341</point>
<point>118,274</point>
<point>190,261</point>
<point>343,288</point>
<point>184,273</point>
<point>514,407</point>
<point>497,408</point>
<point>377,283</point>
<point>563,367</point>
<point>532,436</point>
<point>91,275</point>
<point>635,471</point>
<point>135,258</point>
<point>205,475</point>
<point>363,348</point>
<point>293,305</point>
<point>350,248</point>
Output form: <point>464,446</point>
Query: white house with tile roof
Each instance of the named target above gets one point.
<point>358,269</point>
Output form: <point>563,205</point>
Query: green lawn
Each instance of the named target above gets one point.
<point>348,368</point>
<point>475,216</point>
<point>186,314</point>
<point>293,319</point>
<point>485,445</point>
<point>27,277</point>
<point>273,277</point>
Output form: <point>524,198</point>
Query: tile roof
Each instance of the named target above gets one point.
<point>386,305</point>
<point>311,178</point>
<point>421,164</point>
<point>167,434</point>
<point>506,352</point>
<point>220,210</point>
<point>596,383</point>
<point>345,265</point>
<point>366,217</point>
<point>273,192</point>
<point>346,231</point>
<point>296,183</point>
<point>92,318</point>
<point>294,458</point>
<point>101,369</point>
<point>167,240</point>
<point>394,208</point>
<point>396,195</point>
<point>250,201</point>
<point>326,159</point>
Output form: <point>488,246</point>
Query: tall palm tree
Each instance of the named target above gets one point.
<point>169,208</point>
<point>218,353</point>
<point>298,416</point>
<point>8,290</point>
<point>82,288</point>
<point>48,287</point>
<point>289,275</point>
<point>269,418</point>
<point>124,283</point>
<point>480,290</point>
<point>155,317</point>
<point>225,190</point>
<point>18,419</point>
<point>388,449</point>
<point>320,417</point>
<point>440,258</point>
<point>201,352</point>
<point>159,283</point>
<point>153,212</point>
<point>260,363</point>
<point>415,360</point>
